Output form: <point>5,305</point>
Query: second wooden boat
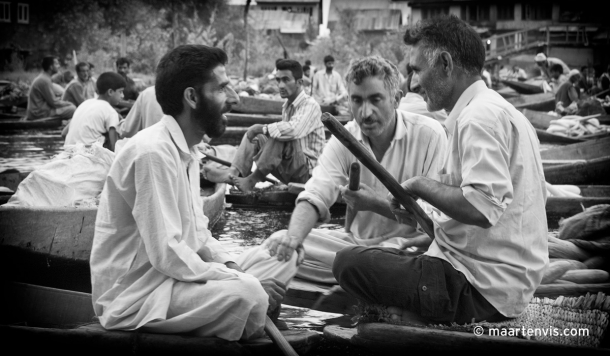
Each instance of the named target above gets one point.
<point>538,102</point>
<point>523,88</point>
<point>48,123</point>
<point>558,208</point>
<point>586,163</point>
<point>255,105</point>
<point>39,319</point>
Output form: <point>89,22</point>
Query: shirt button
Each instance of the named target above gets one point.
<point>424,288</point>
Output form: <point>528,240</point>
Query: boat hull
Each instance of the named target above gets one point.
<point>254,105</point>
<point>49,123</point>
<point>537,102</point>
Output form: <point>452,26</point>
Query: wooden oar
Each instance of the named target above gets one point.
<point>278,338</point>
<point>354,184</point>
<point>228,164</point>
<point>341,133</point>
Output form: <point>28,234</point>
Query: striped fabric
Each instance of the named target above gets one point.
<point>301,121</point>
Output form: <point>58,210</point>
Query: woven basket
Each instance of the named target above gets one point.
<point>548,318</point>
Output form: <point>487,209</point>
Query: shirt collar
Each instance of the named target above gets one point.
<point>468,94</point>
<point>399,133</point>
<point>176,133</point>
<point>297,101</point>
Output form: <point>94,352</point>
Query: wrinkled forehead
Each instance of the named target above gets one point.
<point>368,86</point>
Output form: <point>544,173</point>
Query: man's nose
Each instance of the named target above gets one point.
<point>366,110</point>
<point>232,97</point>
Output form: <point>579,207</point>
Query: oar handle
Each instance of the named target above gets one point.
<point>354,184</point>
<point>278,338</point>
<point>341,133</point>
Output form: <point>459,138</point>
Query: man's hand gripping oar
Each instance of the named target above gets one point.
<point>403,197</point>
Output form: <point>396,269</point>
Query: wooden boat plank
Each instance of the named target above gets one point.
<point>51,122</point>
<point>254,105</point>
<point>538,102</point>
<point>583,150</point>
<point>392,338</point>
<point>562,207</point>
<point>595,171</point>
<point>547,137</point>
<point>523,88</point>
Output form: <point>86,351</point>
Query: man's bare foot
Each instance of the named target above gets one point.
<point>406,316</point>
<point>219,175</point>
<point>246,184</point>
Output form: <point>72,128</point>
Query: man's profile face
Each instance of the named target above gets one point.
<point>213,100</point>
<point>329,65</point>
<point>434,88</point>
<point>288,86</point>
<point>115,96</point>
<point>307,72</point>
<point>55,66</point>
<point>372,106</point>
<point>123,69</point>
<point>83,73</point>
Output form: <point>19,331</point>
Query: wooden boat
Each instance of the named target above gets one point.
<point>581,163</point>
<point>542,120</point>
<point>46,320</point>
<point>282,196</point>
<point>539,102</point>
<point>565,207</point>
<point>254,105</point>
<point>523,88</point>
<point>389,339</point>
<point>47,123</point>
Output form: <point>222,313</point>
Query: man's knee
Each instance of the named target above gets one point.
<point>251,292</point>
<point>347,262</point>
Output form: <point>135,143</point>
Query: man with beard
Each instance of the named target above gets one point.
<point>327,86</point>
<point>155,266</point>
<point>42,100</point>
<point>487,204</point>
<point>288,149</point>
<point>404,143</point>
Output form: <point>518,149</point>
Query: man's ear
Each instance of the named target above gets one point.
<point>300,82</point>
<point>446,63</point>
<point>190,97</point>
<point>397,98</point>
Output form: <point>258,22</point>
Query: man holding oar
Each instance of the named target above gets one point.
<point>406,144</point>
<point>155,266</point>
<point>487,205</point>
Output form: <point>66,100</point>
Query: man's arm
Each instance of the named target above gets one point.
<point>573,93</point>
<point>113,137</point>
<point>366,199</point>
<point>302,221</point>
<point>304,121</point>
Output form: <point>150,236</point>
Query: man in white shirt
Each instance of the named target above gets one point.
<point>155,266</point>
<point>82,87</point>
<point>288,149</point>
<point>96,118</point>
<point>545,63</point>
<point>327,86</point>
<point>406,144</point>
<point>487,205</point>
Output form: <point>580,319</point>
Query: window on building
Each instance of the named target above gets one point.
<point>23,13</point>
<point>506,11</point>
<point>5,11</point>
<point>432,11</point>
<point>537,11</point>
<point>476,13</point>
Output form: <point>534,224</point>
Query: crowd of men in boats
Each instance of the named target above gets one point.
<point>469,158</point>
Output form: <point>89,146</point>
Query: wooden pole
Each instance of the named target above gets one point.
<point>278,338</point>
<point>377,169</point>
<point>354,184</point>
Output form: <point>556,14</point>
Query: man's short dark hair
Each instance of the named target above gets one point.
<point>556,68</point>
<point>81,65</point>
<point>329,58</point>
<point>187,66</point>
<point>450,34</point>
<point>291,65</point>
<point>110,80</point>
<point>307,62</point>
<point>123,60</point>
<point>47,62</point>
<point>306,68</point>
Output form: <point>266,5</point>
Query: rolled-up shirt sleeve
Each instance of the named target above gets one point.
<point>157,215</point>
<point>303,122</point>
<point>486,180</point>
<point>322,189</point>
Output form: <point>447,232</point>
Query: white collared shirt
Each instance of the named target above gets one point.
<point>150,229</point>
<point>417,149</point>
<point>494,156</point>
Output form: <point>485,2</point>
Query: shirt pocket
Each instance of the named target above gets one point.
<point>451,179</point>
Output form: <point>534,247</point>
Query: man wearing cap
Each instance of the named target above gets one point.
<point>327,85</point>
<point>545,63</point>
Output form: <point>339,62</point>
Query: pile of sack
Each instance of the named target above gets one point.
<point>577,126</point>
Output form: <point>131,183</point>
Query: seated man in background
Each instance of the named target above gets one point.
<point>288,149</point>
<point>568,94</point>
<point>82,88</point>
<point>131,93</point>
<point>62,79</point>
<point>405,144</point>
<point>327,87</point>
<point>517,74</point>
<point>96,118</point>
<point>43,100</point>
<point>545,64</point>
<point>557,77</point>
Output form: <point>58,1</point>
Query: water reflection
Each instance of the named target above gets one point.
<point>25,150</point>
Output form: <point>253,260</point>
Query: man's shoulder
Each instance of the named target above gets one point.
<point>487,108</point>
<point>42,79</point>
<point>308,101</point>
